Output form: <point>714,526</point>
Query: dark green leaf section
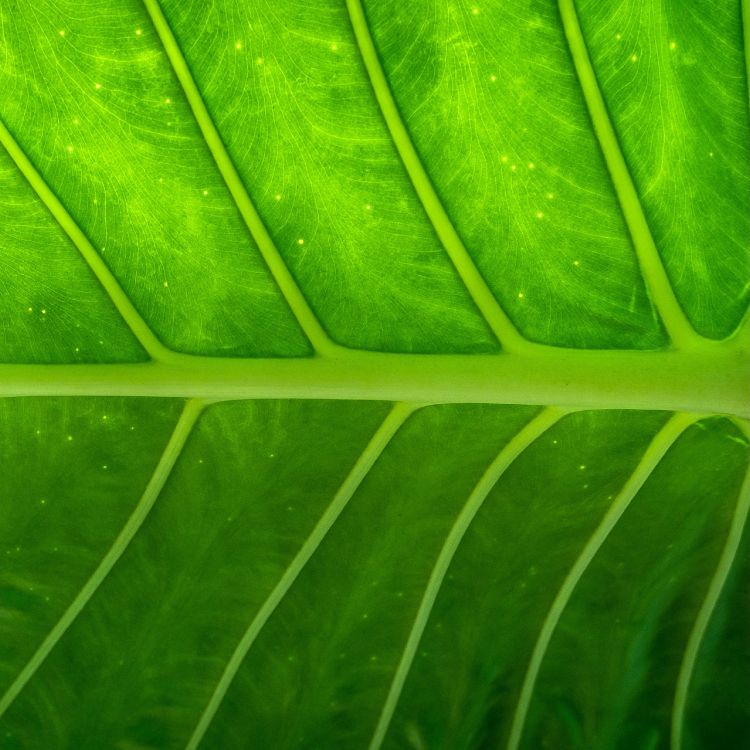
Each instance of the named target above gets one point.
<point>286,87</point>
<point>490,96</point>
<point>60,314</point>
<point>56,523</point>
<point>686,138</point>
<point>319,673</point>
<point>464,684</point>
<point>609,677</point>
<point>249,486</point>
<point>90,97</point>
<point>718,714</point>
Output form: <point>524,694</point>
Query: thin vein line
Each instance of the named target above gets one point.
<point>740,337</point>
<point>488,305</point>
<point>137,325</point>
<point>167,461</point>
<point>728,556</point>
<point>679,328</point>
<point>369,456</point>
<point>505,458</point>
<point>656,450</point>
<point>306,318</point>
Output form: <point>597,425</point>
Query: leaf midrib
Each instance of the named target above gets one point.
<point>715,379</point>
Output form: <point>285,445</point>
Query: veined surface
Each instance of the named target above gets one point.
<point>374,374</point>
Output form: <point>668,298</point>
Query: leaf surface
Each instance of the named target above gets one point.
<point>374,374</point>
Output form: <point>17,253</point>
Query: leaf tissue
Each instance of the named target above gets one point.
<point>374,374</point>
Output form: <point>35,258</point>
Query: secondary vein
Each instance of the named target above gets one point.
<point>138,326</point>
<point>525,437</point>
<point>365,462</point>
<point>676,323</point>
<point>172,451</point>
<point>293,295</point>
<point>746,42</point>
<point>728,556</point>
<point>488,305</point>
<point>656,450</point>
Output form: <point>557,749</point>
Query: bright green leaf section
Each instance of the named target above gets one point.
<point>285,85</point>
<point>526,537</point>
<point>60,315</point>
<point>57,523</point>
<point>490,96</point>
<point>609,677</point>
<point>91,99</point>
<point>686,137</point>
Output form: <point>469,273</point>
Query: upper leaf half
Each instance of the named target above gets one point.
<point>490,102</point>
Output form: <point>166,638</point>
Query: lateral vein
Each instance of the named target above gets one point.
<point>676,323</point>
<point>700,626</point>
<point>291,292</point>
<point>361,468</point>
<point>746,42</point>
<point>172,451</point>
<point>496,318</point>
<point>137,325</point>
<point>656,450</point>
<point>525,437</point>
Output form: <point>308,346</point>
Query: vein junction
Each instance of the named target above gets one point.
<point>714,379</point>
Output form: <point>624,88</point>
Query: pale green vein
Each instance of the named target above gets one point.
<point>740,337</point>
<point>728,556</point>
<point>140,329</point>
<point>505,458</point>
<point>716,381</point>
<point>742,334</point>
<point>162,471</point>
<point>681,332</point>
<point>495,316</point>
<point>359,471</point>
<point>656,450</point>
<point>293,295</point>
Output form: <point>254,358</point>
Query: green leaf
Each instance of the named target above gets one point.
<point>374,374</point>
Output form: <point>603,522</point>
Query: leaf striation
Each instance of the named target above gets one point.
<point>417,403</point>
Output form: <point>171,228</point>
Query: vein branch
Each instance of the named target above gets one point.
<point>138,326</point>
<point>293,295</point>
<point>533,430</point>
<point>657,282</point>
<point>658,447</point>
<point>361,468</point>
<point>488,305</point>
<point>746,42</point>
<point>728,556</point>
<point>162,471</point>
